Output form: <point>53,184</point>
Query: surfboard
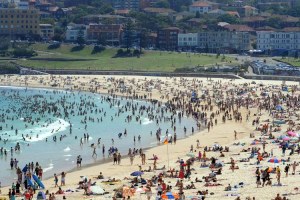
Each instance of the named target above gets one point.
<point>29,182</point>
<point>25,169</point>
<point>38,181</point>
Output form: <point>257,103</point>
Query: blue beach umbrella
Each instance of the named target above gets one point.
<point>136,173</point>
<point>279,107</point>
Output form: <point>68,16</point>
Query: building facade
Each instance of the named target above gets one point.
<point>187,40</point>
<point>272,40</point>
<point>105,33</point>
<point>125,4</point>
<point>73,31</point>
<point>167,38</point>
<point>19,22</point>
<point>224,41</point>
<point>46,31</point>
<point>201,7</point>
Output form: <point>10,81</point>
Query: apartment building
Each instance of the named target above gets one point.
<point>187,40</point>
<point>125,4</point>
<point>16,22</point>
<point>284,39</point>
<point>167,38</point>
<point>224,41</point>
<point>106,33</point>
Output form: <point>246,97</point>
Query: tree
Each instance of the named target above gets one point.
<point>162,4</point>
<point>80,38</point>
<point>4,43</point>
<point>197,14</point>
<point>180,5</point>
<point>228,18</point>
<point>128,34</point>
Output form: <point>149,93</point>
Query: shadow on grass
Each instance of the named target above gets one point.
<point>77,48</point>
<point>54,46</point>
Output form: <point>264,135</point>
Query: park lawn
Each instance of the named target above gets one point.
<point>291,61</point>
<point>149,61</point>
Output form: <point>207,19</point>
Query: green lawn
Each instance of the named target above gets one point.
<point>291,61</point>
<point>149,61</point>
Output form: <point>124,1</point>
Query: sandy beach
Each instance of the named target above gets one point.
<point>234,134</point>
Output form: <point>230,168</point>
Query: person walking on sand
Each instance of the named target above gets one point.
<point>294,165</point>
<point>63,179</point>
<point>235,135</point>
<point>131,156</point>
<point>94,152</point>
<point>55,180</point>
<point>278,174</point>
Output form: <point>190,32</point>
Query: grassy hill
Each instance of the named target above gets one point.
<point>62,58</point>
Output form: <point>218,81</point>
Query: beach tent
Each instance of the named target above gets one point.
<point>41,196</point>
<point>97,190</point>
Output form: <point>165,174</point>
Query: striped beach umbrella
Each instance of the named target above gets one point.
<point>274,160</point>
<point>170,195</point>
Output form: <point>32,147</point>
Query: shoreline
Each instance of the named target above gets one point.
<point>222,134</point>
<point>104,159</point>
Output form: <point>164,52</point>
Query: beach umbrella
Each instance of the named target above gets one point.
<point>293,134</point>
<point>136,173</point>
<point>286,138</point>
<point>97,190</point>
<point>274,160</point>
<point>170,195</point>
<point>279,107</point>
<point>41,196</point>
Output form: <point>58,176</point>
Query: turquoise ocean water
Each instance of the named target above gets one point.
<point>30,116</point>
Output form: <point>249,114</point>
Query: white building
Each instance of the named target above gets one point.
<point>187,39</point>
<point>73,31</point>
<point>270,40</point>
<point>201,7</point>
<point>215,41</point>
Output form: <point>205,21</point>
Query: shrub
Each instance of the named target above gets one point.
<point>120,52</point>
<point>136,52</point>
<point>23,52</point>
<point>98,49</point>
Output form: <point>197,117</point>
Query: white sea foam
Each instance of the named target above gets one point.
<point>45,132</point>
<point>67,149</point>
<point>38,133</point>
<point>68,155</point>
<point>48,168</point>
<point>146,121</point>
